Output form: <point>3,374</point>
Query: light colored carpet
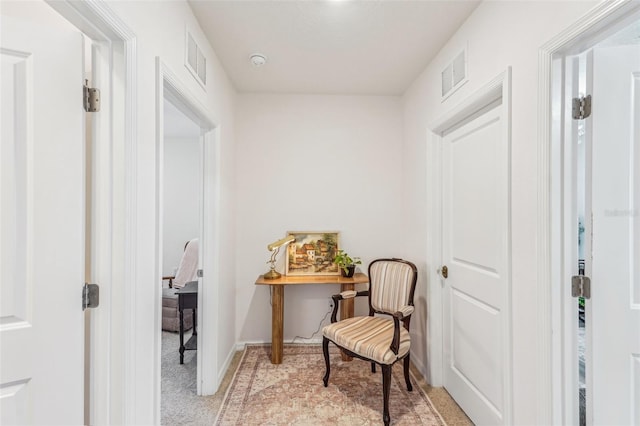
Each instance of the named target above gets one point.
<point>181,406</point>
<point>292,393</point>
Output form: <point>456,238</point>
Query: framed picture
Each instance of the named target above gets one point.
<point>312,253</point>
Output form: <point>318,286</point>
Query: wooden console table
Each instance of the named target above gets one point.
<point>277,303</point>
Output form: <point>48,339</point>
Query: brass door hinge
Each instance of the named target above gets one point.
<point>91,99</point>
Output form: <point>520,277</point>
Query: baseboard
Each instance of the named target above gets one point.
<point>241,345</point>
<point>417,362</point>
<point>225,367</point>
<point>314,341</point>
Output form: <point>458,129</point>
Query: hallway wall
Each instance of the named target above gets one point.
<point>313,163</point>
<point>498,34</point>
<point>159,28</point>
<point>182,183</point>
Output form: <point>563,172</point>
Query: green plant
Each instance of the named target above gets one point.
<point>343,260</point>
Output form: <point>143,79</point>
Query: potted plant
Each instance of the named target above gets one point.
<point>346,263</point>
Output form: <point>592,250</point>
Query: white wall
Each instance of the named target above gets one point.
<point>182,183</point>
<point>159,28</point>
<point>498,34</point>
<point>313,163</point>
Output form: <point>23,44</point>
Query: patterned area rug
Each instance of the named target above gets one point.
<point>292,393</point>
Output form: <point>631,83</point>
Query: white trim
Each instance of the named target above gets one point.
<point>169,86</point>
<point>212,372</point>
<point>314,341</point>
<point>102,217</point>
<point>591,28</point>
<point>132,385</point>
<point>507,299</point>
<point>434,318</point>
<point>227,363</point>
<point>498,89</point>
<point>184,100</point>
<point>113,386</point>
<point>487,94</point>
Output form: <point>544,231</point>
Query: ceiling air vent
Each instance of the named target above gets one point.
<point>454,75</point>
<point>195,60</point>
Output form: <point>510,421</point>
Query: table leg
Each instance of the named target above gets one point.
<point>181,350</point>
<point>194,314</point>
<point>277,323</point>
<point>346,311</point>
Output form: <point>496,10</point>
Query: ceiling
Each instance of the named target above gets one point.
<point>366,47</point>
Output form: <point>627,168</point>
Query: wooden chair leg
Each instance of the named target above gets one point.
<point>373,367</point>
<point>386,386</point>
<point>325,351</point>
<point>406,373</point>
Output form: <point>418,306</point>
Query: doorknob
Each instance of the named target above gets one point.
<point>444,271</point>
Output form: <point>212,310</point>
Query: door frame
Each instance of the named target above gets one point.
<point>114,388</point>
<point>169,86</point>
<point>499,88</point>
<point>552,387</point>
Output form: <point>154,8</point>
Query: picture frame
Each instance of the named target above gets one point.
<point>312,253</point>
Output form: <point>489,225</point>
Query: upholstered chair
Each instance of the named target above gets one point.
<point>382,337</point>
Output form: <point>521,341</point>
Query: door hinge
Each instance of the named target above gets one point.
<point>90,296</point>
<point>91,98</point>
<point>200,273</point>
<point>444,271</point>
<point>581,107</point>
<point>581,286</point>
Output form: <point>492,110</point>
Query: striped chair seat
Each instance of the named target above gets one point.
<point>392,283</point>
<point>369,337</point>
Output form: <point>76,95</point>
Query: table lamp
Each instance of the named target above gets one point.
<point>275,248</point>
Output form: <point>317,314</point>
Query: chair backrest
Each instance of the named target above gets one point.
<point>392,283</point>
<point>188,269</point>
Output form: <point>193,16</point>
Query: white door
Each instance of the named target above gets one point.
<point>615,268</point>
<point>475,244</point>
<point>41,225</point>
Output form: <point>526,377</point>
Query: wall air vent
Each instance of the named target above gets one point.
<point>195,60</point>
<point>454,75</point>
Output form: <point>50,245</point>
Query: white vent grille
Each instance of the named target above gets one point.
<point>454,75</point>
<point>195,60</point>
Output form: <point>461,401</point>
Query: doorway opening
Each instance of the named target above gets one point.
<point>171,92</point>
<point>593,232</point>
<point>582,156</point>
<point>606,194</point>
<point>181,219</point>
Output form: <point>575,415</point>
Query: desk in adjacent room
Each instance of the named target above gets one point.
<point>277,303</point>
<point>188,299</point>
